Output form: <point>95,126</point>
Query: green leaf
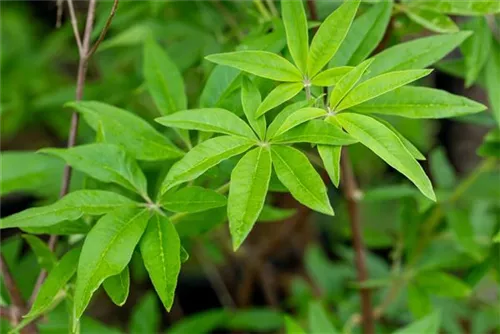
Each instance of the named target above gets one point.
<point>247,193</point>
<point>123,128</point>
<point>491,145</point>
<point>297,174</point>
<point>295,21</point>
<point>347,82</point>
<point>364,36</point>
<point>117,287</point>
<point>200,323</point>
<point>476,49</point>
<point>254,320</point>
<point>463,231</point>
<point>260,63</point>
<point>45,257</point>
<point>441,169</point>
<point>315,132</point>
<point>283,115</point>
<point>223,80</point>
<point>386,144</point>
<point>420,102</point>
<point>146,315</point>
<point>56,281</point>
<point>163,79</point>
<point>330,77</point>
<point>442,284</point>
<point>427,325</point>
<point>430,19</point>
<point>329,36</point>
<point>204,156</point>
<point>379,85</point>
<point>466,7</point>
<point>408,144</point>
<point>251,100</point>
<point>62,228</point>
<point>271,214</point>
<point>192,199</point>
<point>70,207</point>
<point>106,251</point>
<point>419,301</point>
<point>208,119</point>
<point>330,155</point>
<point>160,250</point>
<point>278,96</point>
<point>104,162</point>
<point>294,119</point>
<point>318,319</point>
<point>292,327</point>
<point>492,74</point>
<point>415,54</point>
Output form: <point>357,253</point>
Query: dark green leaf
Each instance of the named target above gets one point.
<point>315,132</point>
<point>251,100</point>
<point>117,287</point>
<point>46,258</point>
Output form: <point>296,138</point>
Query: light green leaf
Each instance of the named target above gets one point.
<point>476,49</point>
<point>106,251</point>
<point>492,74</point>
<point>250,100</point>
<point>318,319</point>
<point>442,284</point>
<point>295,21</point>
<point>427,325</point>
<point>260,63</point>
<point>420,102</point>
<point>330,77</point>
<point>160,250</point>
<point>54,283</point>
<point>70,207</point>
<point>272,214</point>
<point>297,174</point>
<point>163,78</point>
<point>408,144</point>
<point>283,115</point>
<point>292,327</point>
<point>208,119</point>
<point>347,82</point>
<point>200,323</point>
<point>296,118</point>
<point>463,231</point>
<point>204,156</point>
<point>62,228</point>
<point>247,192</point>
<point>364,36</point>
<point>465,7</point>
<point>430,19</point>
<point>419,301</point>
<point>223,80</point>
<point>123,128</point>
<point>117,287</point>
<point>315,132</point>
<point>45,257</point>
<point>441,169</point>
<point>279,95</point>
<point>415,54</point>
<point>386,144</point>
<point>330,155</point>
<point>329,36</point>
<point>379,85</point>
<point>192,199</point>
<point>146,315</point>
<point>104,162</point>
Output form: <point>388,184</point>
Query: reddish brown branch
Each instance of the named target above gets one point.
<point>352,194</point>
<point>15,295</point>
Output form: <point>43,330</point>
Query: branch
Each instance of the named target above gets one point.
<point>74,25</point>
<point>105,29</point>
<point>352,194</point>
<point>15,295</point>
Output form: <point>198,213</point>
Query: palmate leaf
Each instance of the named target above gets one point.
<point>70,207</point>
<point>297,174</point>
<point>386,144</point>
<point>208,119</point>
<point>347,82</point>
<point>329,36</point>
<point>104,162</point>
<point>192,199</point>
<point>296,118</point>
<point>283,115</point>
<point>430,19</point>
<point>123,128</point>
<point>315,132</point>
<point>379,85</point>
<point>260,63</point>
<point>251,100</point>
<point>204,156</point>
<point>331,76</point>
<point>330,155</point>
<point>476,49</point>
<point>106,251</point>
<point>279,95</point>
<point>420,102</point>
<point>295,21</point>
<point>247,192</point>
<point>160,249</point>
<point>117,287</point>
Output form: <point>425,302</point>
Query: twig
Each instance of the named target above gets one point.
<point>74,25</point>
<point>105,29</point>
<point>14,293</point>
<point>495,30</point>
<point>352,194</point>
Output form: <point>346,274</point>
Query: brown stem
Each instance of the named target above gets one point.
<point>313,13</point>
<point>15,295</point>
<point>352,194</point>
<point>105,29</point>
